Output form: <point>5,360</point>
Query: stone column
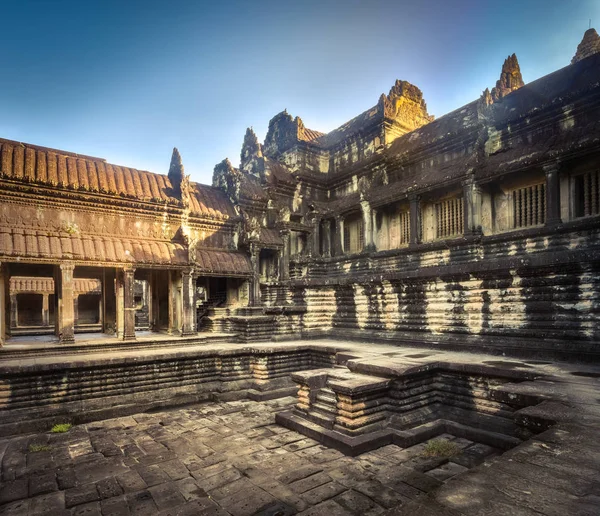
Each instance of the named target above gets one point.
<point>188,280</point>
<point>3,303</point>
<point>552,194</point>
<point>45,310</point>
<point>367,214</point>
<point>66,312</point>
<point>285,255</point>
<point>314,249</point>
<point>471,207</point>
<point>128,304</point>
<point>175,303</point>
<point>415,220</point>
<point>14,311</point>
<point>255,281</point>
<point>338,244</point>
<point>326,238</point>
<point>109,301</point>
<point>75,308</point>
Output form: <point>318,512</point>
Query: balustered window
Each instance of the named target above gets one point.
<point>449,218</point>
<point>529,206</point>
<point>587,194</point>
<point>354,238</point>
<point>399,230</point>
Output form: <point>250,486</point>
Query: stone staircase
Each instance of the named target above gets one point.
<point>367,405</point>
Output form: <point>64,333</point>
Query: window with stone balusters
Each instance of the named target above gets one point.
<point>587,194</point>
<point>529,206</point>
<point>449,218</point>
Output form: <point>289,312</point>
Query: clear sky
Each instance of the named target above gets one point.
<point>129,80</point>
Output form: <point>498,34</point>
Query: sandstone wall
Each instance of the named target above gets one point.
<point>537,293</point>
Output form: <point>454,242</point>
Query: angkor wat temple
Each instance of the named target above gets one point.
<point>477,230</point>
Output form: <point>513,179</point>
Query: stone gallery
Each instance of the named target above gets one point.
<point>400,316</point>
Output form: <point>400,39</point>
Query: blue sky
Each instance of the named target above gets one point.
<point>128,80</point>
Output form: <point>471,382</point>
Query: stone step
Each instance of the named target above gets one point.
<point>256,395</point>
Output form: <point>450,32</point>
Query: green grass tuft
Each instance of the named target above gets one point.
<point>441,448</point>
<point>34,448</point>
<point>61,428</point>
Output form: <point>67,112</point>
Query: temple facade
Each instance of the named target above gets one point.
<point>479,229</point>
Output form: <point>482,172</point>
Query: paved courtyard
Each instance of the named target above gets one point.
<point>217,459</point>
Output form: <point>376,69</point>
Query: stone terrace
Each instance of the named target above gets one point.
<point>231,458</point>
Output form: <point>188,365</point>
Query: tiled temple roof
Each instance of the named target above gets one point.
<point>222,262</point>
<point>60,169</point>
<point>270,237</point>
<point>336,136</point>
<point>310,135</point>
<point>29,244</point>
<point>210,202</point>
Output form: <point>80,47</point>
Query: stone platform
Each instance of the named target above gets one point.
<point>228,455</point>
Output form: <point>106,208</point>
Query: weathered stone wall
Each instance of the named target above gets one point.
<point>536,292</point>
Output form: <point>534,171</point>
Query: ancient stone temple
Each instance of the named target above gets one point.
<point>423,293</point>
<point>478,229</point>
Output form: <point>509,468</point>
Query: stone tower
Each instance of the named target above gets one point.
<point>590,44</point>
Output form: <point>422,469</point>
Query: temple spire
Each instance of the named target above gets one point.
<point>510,79</point>
<point>590,44</point>
<point>250,148</point>
<point>176,175</point>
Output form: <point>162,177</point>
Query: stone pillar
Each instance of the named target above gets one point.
<point>109,301</point>
<point>338,244</point>
<point>66,309</point>
<point>75,308</point>
<point>326,238</point>
<point>285,256</point>
<point>14,311</point>
<point>128,304</point>
<point>3,303</point>
<point>175,303</point>
<point>415,220</point>
<point>45,310</point>
<point>315,241</point>
<point>188,280</point>
<point>552,194</point>
<point>255,281</point>
<point>367,214</point>
<point>471,208</point>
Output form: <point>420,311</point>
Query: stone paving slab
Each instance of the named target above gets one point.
<point>230,458</point>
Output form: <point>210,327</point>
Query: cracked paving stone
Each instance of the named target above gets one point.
<point>13,490</point>
<point>247,502</point>
<point>152,475</point>
<point>131,482</point>
<point>81,495</point>
<point>358,503</point>
<point>299,473</point>
<point>328,508</point>
<point>190,490</point>
<point>141,503</point>
<point>116,506</point>
<point>108,488</point>
<point>166,496</point>
<point>87,509</point>
<point>308,483</point>
<point>323,492</point>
